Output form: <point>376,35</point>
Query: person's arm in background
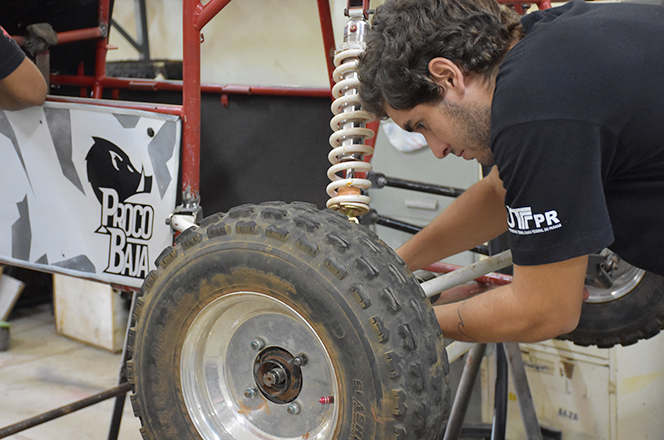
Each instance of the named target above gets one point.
<point>21,83</point>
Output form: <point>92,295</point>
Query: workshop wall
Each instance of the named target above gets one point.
<point>256,42</point>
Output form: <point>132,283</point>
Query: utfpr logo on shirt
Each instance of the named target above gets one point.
<point>522,221</point>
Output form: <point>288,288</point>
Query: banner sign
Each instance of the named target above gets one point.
<point>86,189</point>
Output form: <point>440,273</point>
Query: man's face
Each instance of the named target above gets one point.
<point>463,129</point>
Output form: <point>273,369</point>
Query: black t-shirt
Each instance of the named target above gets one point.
<point>578,134</point>
<point>11,55</point>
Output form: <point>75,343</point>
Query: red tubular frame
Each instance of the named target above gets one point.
<point>191,99</point>
<point>102,47</point>
<point>328,36</point>
<point>79,35</point>
<point>195,16</point>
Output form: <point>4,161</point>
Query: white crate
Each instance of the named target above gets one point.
<point>90,312</point>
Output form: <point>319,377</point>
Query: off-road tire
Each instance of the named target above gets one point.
<point>636,315</point>
<point>318,271</point>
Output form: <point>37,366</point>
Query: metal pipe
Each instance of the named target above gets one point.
<point>328,36</point>
<point>412,185</point>
<point>142,29</point>
<point>498,279</point>
<point>64,410</point>
<point>177,86</point>
<point>102,48</point>
<point>155,108</point>
<point>263,90</point>
<point>523,396</point>
<point>205,13</point>
<point>462,397</point>
<point>395,224</point>
<point>191,100</point>
<point>80,35</point>
<point>466,274</point>
<point>499,425</point>
<point>116,418</point>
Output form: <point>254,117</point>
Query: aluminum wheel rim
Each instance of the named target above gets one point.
<point>625,278</point>
<point>216,372</point>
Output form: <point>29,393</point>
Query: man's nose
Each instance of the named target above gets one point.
<point>439,149</point>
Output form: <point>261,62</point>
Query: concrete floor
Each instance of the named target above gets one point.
<point>43,370</point>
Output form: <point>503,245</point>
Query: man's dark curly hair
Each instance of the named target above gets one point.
<point>407,34</point>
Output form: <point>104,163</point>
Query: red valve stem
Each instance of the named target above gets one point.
<point>326,400</point>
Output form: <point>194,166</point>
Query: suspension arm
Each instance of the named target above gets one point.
<point>380,180</point>
<point>468,273</point>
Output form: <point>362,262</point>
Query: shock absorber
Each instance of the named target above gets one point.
<point>348,170</point>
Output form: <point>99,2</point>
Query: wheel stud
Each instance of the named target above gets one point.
<point>250,392</point>
<point>293,408</point>
<point>300,360</point>
<point>257,344</point>
<point>274,377</point>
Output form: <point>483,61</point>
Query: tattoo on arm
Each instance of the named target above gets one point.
<point>461,326</point>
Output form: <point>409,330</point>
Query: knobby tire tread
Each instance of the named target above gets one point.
<point>399,324</point>
<point>637,315</point>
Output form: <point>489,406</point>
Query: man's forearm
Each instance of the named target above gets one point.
<point>474,218</point>
<point>488,317</point>
<point>542,302</point>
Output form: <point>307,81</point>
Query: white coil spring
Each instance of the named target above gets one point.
<point>348,138</point>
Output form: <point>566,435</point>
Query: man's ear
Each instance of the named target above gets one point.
<point>447,75</point>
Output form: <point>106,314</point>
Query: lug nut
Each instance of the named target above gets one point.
<point>293,408</point>
<point>257,344</point>
<point>300,360</point>
<point>250,392</point>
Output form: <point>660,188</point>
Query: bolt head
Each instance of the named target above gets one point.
<point>250,392</point>
<point>257,344</point>
<point>293,408</point>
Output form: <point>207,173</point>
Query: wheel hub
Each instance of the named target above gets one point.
<point>277,376</point>
<point>240,379</point>
<point>622,277</point>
